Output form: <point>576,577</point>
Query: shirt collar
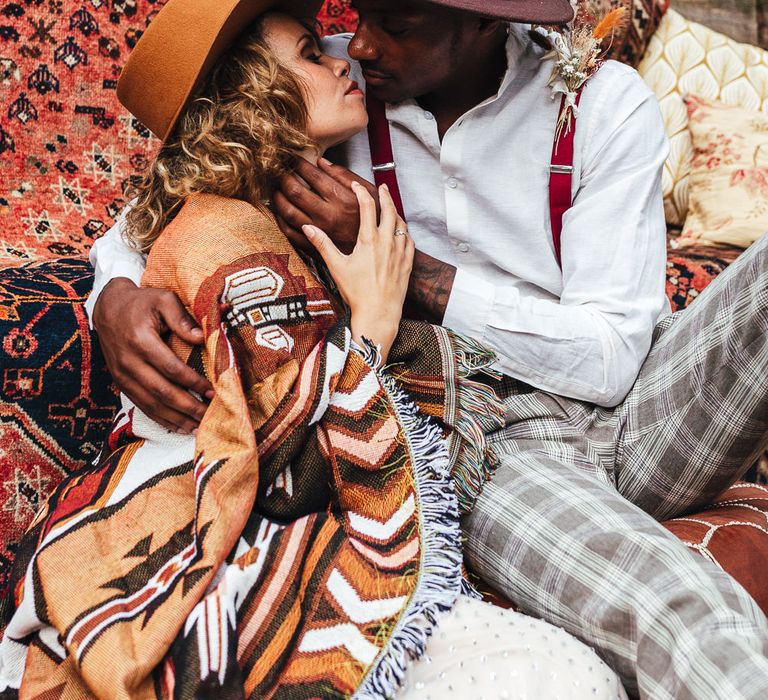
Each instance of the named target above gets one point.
<point>518,44</point>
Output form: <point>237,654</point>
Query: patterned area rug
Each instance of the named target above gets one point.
<point>56,397</point>
<point>690,270</point>
<point>643,17</point>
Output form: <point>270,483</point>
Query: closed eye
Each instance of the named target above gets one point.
<point>309,49</point>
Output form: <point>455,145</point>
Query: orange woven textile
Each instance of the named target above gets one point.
<point>301,544</point>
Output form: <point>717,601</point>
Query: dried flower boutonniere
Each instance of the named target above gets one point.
<point>576,51</point>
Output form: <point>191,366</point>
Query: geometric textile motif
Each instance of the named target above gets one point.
<point>644,18</point>
<point>337,17</point>
<point>66,158</point>
<point>225,588</point>
<point>684,57</point>
<point>56,396</point>
<point>69,153</point>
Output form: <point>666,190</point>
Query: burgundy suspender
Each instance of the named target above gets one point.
<point>381,150</point>
<point>560,178</point>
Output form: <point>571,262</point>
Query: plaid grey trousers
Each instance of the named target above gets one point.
<point>568,525</point>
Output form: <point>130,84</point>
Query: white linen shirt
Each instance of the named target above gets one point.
<point>480,202</point>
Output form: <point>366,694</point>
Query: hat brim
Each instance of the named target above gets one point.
<point>532,11</point>
<point>178,50</point>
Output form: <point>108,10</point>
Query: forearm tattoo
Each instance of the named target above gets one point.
<point>430,287</point>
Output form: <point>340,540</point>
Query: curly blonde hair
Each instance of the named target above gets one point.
<point>239,134</point>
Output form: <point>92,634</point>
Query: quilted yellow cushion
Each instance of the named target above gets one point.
<point>684,57</point>
<point>728,183</point>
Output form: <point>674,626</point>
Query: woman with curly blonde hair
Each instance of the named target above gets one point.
<point>305,542</point>
<point>243,130</point>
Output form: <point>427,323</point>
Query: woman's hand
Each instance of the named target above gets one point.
<point>373,278</point>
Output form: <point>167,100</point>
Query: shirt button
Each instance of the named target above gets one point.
<point>453,183</point>
<point>463,247</point>
<point>428,115</point>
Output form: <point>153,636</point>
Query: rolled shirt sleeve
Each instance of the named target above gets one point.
<point>112,257</point>
<point>591,342</point>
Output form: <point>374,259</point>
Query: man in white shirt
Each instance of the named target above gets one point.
<point>567,525</point>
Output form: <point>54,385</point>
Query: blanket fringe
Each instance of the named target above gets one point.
<point>440,579</point>
<point>472,357</point>
<point>480,412</point>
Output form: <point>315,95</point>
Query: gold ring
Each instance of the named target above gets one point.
<point>401,232</point>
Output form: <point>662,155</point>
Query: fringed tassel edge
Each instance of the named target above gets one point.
<point>440,573</point>
<point>480,412</point>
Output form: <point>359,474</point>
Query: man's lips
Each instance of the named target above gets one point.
<point>374,77</point>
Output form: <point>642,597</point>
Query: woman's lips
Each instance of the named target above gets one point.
<point>353,89</point>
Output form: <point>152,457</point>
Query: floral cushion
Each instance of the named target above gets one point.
<point>684,57</point>
<point>728,183</point>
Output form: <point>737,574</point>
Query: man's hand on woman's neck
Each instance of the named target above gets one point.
<point>312,154</point>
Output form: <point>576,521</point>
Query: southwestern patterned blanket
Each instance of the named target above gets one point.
<point>302,544</point>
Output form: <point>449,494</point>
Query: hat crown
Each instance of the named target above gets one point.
<point>179,48</point>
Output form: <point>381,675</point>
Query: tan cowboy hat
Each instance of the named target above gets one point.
<point>179,48</point>
<point>533,11</point>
